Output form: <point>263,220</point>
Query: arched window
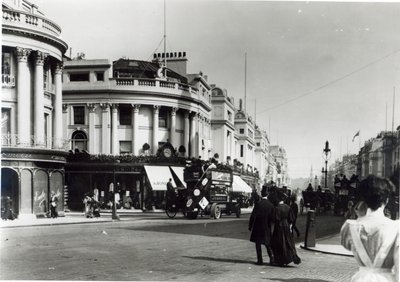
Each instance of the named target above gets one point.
<point>79,141</point>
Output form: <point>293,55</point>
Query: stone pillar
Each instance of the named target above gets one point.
<point>23,97</point>
<point>105,131</point>
<point>193,129</point>
<point>64,121</point>
<point>58,119</point>
<point>172,137</point>
<point>114,130</point>
<point>135,129</point>
<point>92,131</point>
<point>186,133</point>
<point>39,100</point>
<point>155,129</point>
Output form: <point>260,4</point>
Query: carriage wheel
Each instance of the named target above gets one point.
<point>215,211</point>
<point>170,213</point>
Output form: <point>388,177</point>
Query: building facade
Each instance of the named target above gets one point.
<point>138,109</point>
<point>33,156</point>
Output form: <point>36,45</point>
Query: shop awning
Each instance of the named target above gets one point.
<point>158,177</point>
<point>178,170</point>
<point>240,186</point>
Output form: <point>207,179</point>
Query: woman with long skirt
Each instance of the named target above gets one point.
<point>282,241</point>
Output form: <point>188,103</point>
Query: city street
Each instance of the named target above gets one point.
<point>153,247</point>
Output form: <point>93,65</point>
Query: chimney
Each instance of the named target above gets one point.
<point>240,104</point>
<point>176,61</point>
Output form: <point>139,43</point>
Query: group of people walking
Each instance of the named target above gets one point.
<point>270,223</point>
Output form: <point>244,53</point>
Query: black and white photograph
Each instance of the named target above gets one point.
<point>200,140</point>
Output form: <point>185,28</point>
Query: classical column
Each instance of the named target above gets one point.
<point>172,137</point>
<point>23,96</point>
<point>135,129</point>
<point>155,128</point>
<point>92,131</point>
<point>199,141</point>
<point>39,99</point>
<point>64,121</point>
<point>193,129</point>
<point>186,133</point>
<point>114,130</point>
<point>105,131</point>
<point>58,118</point>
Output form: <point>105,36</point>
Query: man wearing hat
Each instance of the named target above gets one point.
<point>260,223</point>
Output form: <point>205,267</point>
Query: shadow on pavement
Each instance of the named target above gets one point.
<point>220,259</point>
<point>298,280</point>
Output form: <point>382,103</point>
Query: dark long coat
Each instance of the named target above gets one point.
<point>282,242</point>
<point>260,222</point>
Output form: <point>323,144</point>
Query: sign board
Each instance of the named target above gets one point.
<point>221,176</point>
<point>203,203</point>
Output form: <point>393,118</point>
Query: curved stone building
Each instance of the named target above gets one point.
<point>136,110</point>
<point>32,144</point>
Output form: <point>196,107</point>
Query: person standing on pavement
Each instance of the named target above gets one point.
<point>373,238</point>
<point>53,205</point>
<point>295,210</point>
<point>260,225</point>
<point>282,241</point>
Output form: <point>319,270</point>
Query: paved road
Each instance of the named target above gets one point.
<point>154,248</point>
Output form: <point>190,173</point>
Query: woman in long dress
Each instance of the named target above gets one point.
<point>282,241</point>
<point>373,238</point>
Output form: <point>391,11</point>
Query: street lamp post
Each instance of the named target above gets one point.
<point>114,214</point>
<point>326,156</point>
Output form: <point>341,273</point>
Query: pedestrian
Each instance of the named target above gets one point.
<point>53,205</point>
<point>282,241</point>
<point>8,211</point>
<point>351,211</point>
<point>373,238</point>
<point>295,210</point>
<point>88,201</point>
<point>260,225</point>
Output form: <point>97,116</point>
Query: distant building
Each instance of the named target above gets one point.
<point>32,140</point>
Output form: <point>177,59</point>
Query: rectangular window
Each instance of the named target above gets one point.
<point>125,147</point>
<point>5,121</point>
<point>6,63</point>
<point>241,151</point>
<point>241,130</point>
<point>79,115</point>
<point>162,119</point>
<point>125,115</point>
<point>83,76</point>
<point>100,76</point>
<point>258,144</point>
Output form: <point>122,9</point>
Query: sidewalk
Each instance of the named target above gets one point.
<point>329,245</point>
<point>79,217</point>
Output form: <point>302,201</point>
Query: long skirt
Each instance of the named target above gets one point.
<point>283,247</point>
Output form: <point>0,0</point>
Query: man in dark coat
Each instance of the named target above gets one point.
<point>260,224</point>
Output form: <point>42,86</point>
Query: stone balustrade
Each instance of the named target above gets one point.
<point>27,20</point>
<point>7,80</point>
<point>12,140</point>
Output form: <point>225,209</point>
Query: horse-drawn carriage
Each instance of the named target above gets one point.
<point>320,200</point>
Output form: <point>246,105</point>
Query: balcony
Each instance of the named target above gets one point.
<point>7,80</point>
<point>22,19</point>
<point>13,141</point>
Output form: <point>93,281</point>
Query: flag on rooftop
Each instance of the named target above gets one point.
<point>355,135</point>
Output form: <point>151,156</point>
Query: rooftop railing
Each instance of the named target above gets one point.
<point>23,19</point>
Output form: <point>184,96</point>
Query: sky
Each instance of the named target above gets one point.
<point>314,71</point>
